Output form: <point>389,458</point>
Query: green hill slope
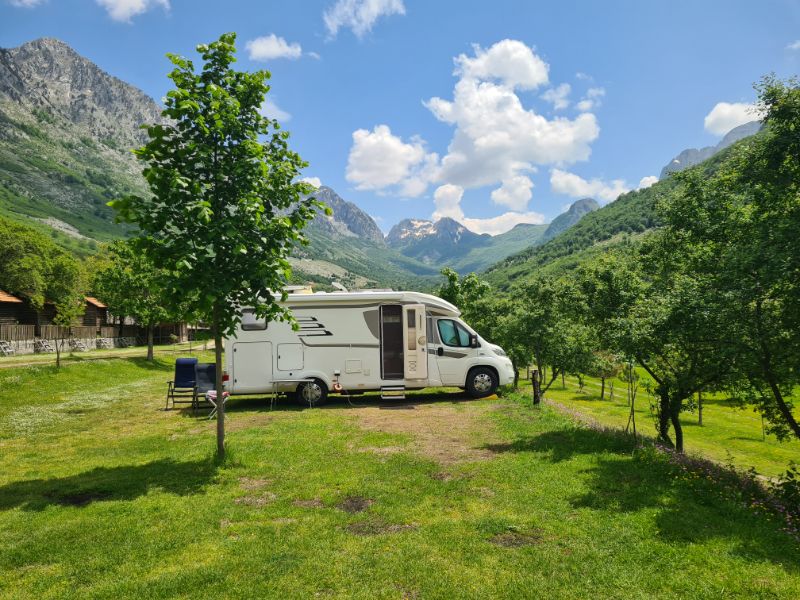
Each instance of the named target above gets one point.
<point>623,221</point>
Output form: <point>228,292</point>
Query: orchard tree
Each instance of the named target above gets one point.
<point>545,322</point>
<point>740,226</point>
<point>226,206</point>
<point>656,309</point>
<point>130,283</point>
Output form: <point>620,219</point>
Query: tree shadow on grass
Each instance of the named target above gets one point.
<point>688,509</point>
<point>126,482</point>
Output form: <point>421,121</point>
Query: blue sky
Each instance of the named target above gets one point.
<point>414,108</point>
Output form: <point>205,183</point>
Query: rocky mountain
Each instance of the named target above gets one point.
<point>434,243</point>
<point>567,219</point>
<point>347,220</point>
<point>694,156</point>
<point>66,131</point>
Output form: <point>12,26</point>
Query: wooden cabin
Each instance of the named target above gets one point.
<point>12,309</point>
<point>96,313</point>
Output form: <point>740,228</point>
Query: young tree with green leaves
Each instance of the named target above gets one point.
<point>66,290</point>
<point>226,205</point>
<point>465,292</point>
<point>131,284</point>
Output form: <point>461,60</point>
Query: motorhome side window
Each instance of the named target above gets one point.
<point>453,334</point>
<point>250,322</point>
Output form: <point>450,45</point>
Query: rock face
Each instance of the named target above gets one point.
<point>48,74</point>
<point>694,156</point>
<point>574,213</point>
<point>347,218</point>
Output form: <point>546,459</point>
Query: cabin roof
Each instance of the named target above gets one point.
<point>6,297</point>
<point>95,302</point>
<point>372,297</point>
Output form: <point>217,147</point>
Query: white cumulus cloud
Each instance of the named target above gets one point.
<point>271,110</point>
<point>558,96</point>
<point>315,181</point>
<point>592,99</point>
<point>509,61</point>
<point>447,199</point>
<point>795,45</point>
<point>570,184</point>
<point>379,160</point>
<point>646,182</point>
<point>727,115</point>
<point>359,15</point>
<point>496,137</point>
<point>124,10</point>
<point>514,193</point>
<point>272,46</point>
<point>25,3</point>
<point>502,223</point>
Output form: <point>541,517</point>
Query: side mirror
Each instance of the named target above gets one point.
<point>473,341</point>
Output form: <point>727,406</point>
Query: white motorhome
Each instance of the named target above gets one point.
<point>362,341</point>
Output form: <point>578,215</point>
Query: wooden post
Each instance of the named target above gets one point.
<point>537,393</point>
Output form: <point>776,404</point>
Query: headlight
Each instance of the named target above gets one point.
<point>498,350</point>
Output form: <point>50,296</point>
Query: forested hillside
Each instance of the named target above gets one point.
<point>620,222</point>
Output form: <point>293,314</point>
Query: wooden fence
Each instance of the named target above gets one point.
<point>13,333</point>
<point>54,332</point>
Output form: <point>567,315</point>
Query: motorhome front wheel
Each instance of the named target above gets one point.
<point>481,382</point>
<point>311,393</point>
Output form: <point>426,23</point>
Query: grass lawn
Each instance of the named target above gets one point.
<point>729,434</point>
<point>105,495</point>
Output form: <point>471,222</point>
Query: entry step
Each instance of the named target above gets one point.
<point>393,392</point>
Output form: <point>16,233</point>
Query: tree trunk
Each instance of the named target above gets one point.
<point>675,417</point>
<point>121,325</point>
<point>563,381</point>
<point>782,406</point>
<point>664,419</point>
<point>602,388</point>
<point>552,379</point>
<point>611,390</point>
<point>58,352</point>
<point>700,408</point>
<point>219,390</point>
<point>516,375</point>
<point>150,328</point>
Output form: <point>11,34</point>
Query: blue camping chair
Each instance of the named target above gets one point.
<point>183,384</point>
<point>205,381</point>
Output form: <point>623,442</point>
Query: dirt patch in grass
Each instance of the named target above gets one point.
<point>448,433</point>
<point>355,504</point>
<point>382,450</point>
<point>246,421</point>
<point>313,503</point>
<point>366,528</point>
<point>516,539</point>
<point>262,500</point>
<point>248,483</point>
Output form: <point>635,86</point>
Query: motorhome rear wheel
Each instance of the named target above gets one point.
<point>312,393</point>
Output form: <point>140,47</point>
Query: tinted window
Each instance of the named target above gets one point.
<point>250,323</point>
<point>453,334</point>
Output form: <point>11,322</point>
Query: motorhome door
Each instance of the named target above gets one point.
<point>415,342</point>
<point>252,367</point>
